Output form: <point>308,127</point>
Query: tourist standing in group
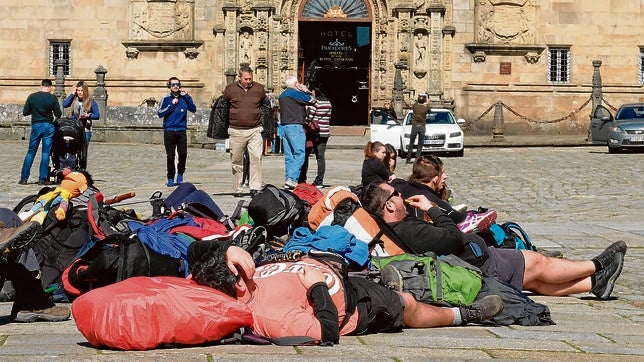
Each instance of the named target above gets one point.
<point>419,114</point>
<point>174,111</point>
<point>318,124</point>
<point>293,101</point>
<point>42,106</point>
<point>85,109</point>
<point>245,99</point>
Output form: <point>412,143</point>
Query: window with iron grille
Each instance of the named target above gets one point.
<point>60,50</point>
<point>559,65</point>
<point>642,65</point>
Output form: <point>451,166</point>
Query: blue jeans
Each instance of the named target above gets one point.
<point>294,150</point>
<point>39,131</point>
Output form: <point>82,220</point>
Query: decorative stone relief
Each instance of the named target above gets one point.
<point>246,47</point>
<point>170,20</point>
<point>505,21</point>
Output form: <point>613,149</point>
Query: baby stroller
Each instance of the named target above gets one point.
<point>68,150</point>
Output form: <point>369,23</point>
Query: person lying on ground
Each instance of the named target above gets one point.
<point>307,297</point>
<point>31,304</point>
<point>524,269</point>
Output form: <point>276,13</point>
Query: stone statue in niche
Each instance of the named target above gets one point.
<point>245,47</point>
<point>421,50</point>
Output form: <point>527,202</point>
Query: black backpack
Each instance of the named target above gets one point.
<point>279,211</point>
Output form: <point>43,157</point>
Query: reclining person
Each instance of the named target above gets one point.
<point>307,298</point>
<point>524,269</point>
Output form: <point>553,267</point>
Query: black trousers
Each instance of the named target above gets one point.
<point>175,141</point>
<point>416,130</point>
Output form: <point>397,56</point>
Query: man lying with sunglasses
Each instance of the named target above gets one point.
<point>524,269</point>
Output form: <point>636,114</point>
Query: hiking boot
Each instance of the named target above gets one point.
<point>170,182</point>
<point>390,277</point>
<point>56,313</point>
<point>22,182</point>
<point>17,238</point>
<point>179,179</point>
<point>612,262</point>
<point>481,310</point>
<point>477,222</point>
<point>290,184</point>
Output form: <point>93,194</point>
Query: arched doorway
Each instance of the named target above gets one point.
<point>335,55</point>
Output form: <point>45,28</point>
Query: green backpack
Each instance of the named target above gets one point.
<point>445,280</point>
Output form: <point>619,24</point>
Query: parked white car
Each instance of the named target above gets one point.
<point>443,133</point>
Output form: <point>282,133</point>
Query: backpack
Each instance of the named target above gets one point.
<point>508,235</point>
<point>445,281</point>
<point>143,313</point>
<point>342,207</point>
<point>113,259</point>
<point>308,192</point>
<point>279,211</point>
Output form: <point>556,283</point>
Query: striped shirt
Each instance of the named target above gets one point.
<point>321,112</point>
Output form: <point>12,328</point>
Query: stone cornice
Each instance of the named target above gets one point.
<point>530,52</point>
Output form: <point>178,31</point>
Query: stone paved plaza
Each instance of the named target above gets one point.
<point>574,199</point>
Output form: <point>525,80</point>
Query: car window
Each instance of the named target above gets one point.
<point>378,117</point>
<point>625,113</point>
<point>439,118</point>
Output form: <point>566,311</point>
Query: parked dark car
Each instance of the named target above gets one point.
<point>624,131</point>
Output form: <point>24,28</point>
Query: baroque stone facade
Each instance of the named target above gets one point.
<point>465,54</point>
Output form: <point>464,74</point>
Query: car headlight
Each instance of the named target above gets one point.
<point>617,129</point>
<point>455,134</point>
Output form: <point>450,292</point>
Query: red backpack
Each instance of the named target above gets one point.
<point>308,192</point>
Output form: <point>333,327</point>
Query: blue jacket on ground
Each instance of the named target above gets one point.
<point>333,238</point>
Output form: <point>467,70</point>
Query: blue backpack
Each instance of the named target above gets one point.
<point>511,235</point>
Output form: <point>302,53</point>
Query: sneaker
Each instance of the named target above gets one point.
<point>318,184</point>
<point>179,179</point>
<point>17,238</point>
<point>56,313</point>
<point>612,262</point>
<point>22,182</point>
<point>391,278</point>
<point>170,182</point>
<point>477,222</point>
<point>481,310</point>
<point>290,184</point>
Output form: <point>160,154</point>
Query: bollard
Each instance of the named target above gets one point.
<point>100,92</point>
<point>498,127</point>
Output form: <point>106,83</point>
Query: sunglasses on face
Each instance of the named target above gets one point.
<point>175,84</point>
<point>393,194</point>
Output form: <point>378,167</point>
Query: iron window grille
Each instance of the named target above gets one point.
<point>60,50</point>
<point>559,65</point>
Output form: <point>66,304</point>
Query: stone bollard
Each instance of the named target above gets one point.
<point>498,127</point>
<point>100,93</point>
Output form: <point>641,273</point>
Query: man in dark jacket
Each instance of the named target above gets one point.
<point>245,99</point>
<point>524,269</point>
<point>43,107</point>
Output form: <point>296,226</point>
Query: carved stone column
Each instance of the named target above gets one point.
<point>230,23</point>
<point>262,36</point>
<point>596,95</point>
<point>59,90</point>
<point>435,88</point>
<point>398,90</point>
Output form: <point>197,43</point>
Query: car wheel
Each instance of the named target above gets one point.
<point>459,153</point>
<point>614,150</point>
<point>402,152</point>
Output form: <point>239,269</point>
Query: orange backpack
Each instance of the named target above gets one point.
<point>342,207</point>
